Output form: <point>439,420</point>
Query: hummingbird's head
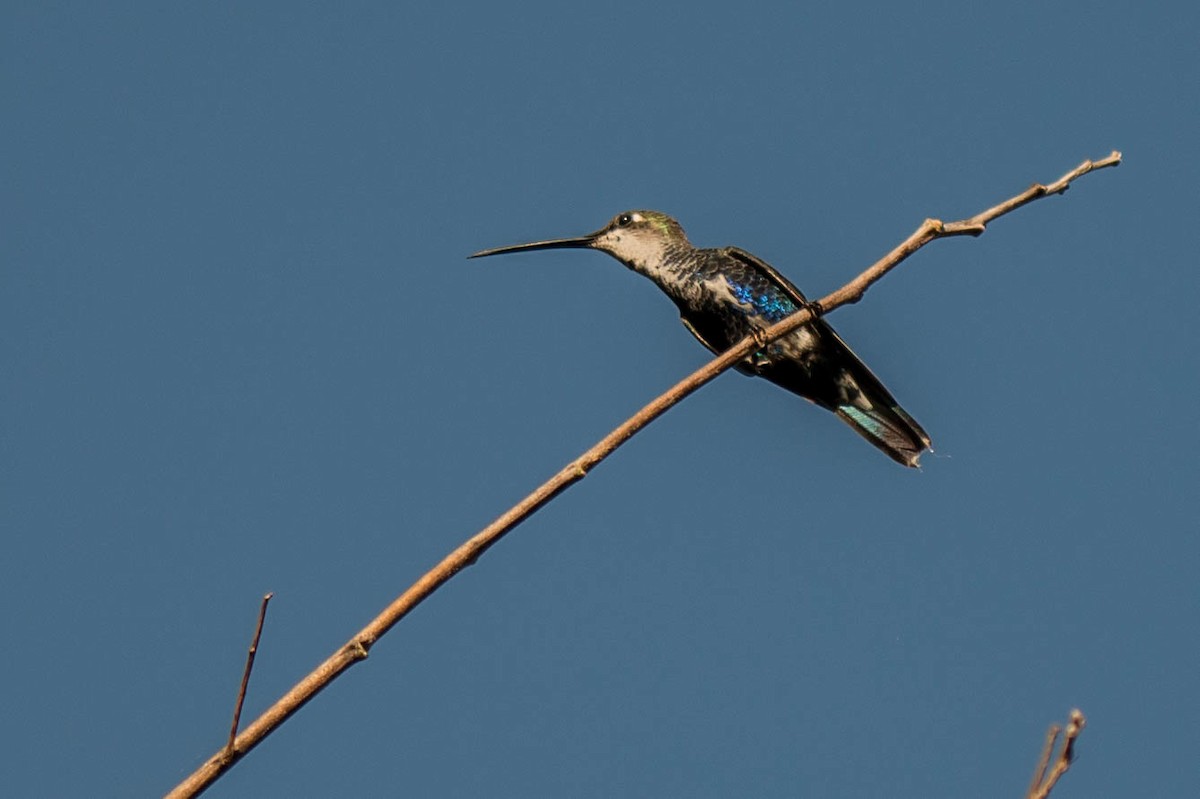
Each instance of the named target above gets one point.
<point>638,239</point>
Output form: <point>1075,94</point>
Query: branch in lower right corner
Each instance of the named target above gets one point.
<point>1043,781</point>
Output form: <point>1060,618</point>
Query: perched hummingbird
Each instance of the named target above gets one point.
<point>726,294</point>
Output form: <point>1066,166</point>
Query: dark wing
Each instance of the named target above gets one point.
<point>828,335</point>
<point>887,425</point>
<point>754,262</point>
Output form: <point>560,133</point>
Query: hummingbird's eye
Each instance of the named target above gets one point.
<point>623,220</point>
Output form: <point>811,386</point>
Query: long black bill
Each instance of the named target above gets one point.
<point>552,244</point>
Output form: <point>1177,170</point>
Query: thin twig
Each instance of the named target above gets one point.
<point>1043,783</point>
<point>1039,774</point>
<point>241,697</point>
<point>357,648</point>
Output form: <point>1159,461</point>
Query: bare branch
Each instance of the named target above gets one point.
<point>932,229</point>
<point>357,648</point>
<point>1043,783</point>
<point>241,697</point>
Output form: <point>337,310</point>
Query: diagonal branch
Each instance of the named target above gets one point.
<point>932,229</point>
<point>357,648</point>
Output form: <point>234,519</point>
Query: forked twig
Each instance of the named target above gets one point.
<point>357,648</point>
<point>1044,782</point>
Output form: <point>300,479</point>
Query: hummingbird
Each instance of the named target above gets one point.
<point>725,294</point>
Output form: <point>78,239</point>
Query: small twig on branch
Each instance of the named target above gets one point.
<point>241,697</point>
<point>1044,782</point>
<point>356,648</point>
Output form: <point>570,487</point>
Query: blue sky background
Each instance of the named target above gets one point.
<point>243,351</point>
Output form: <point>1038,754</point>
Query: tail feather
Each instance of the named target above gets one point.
<point>888,428</point>
<point>836,379</point>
